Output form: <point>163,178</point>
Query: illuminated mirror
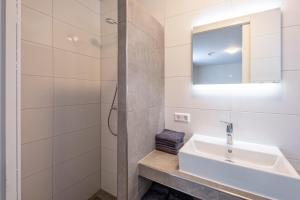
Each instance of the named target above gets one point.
<point>240,50</point>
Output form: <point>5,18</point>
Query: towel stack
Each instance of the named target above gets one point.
<point>169,141</point>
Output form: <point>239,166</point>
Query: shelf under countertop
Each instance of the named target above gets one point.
<point>163,168</point>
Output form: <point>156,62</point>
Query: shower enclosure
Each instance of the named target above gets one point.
<point>76,124</point>
<point>69,74</point>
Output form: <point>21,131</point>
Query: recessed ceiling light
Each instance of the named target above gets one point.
<point>232,50</point>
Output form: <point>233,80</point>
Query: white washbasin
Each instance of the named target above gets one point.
<point>259,169</point>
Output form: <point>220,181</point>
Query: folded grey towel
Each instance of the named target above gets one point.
<point>167,149</point>
<point>170,147</point>
<point>171,136</point>
<point>167,142</point>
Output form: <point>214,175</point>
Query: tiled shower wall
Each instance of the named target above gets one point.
<point>60,99</point>
<point>109,62</point>
<point>261,116</point>
<point>145,89</point>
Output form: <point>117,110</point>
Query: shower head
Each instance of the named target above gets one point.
<point>111,21</point>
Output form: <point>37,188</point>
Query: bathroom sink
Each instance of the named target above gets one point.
<point>259,169</point>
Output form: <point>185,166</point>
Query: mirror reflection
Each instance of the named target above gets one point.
<point>217,56</point>
<point>240,50</point>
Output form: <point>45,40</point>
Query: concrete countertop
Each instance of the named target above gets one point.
<point>163,168</point>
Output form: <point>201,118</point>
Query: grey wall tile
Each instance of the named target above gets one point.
<point>144,91</point>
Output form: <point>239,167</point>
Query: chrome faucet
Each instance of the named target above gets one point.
<point>229,135</point>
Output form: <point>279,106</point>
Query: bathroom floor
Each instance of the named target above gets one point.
<point>102,195</point>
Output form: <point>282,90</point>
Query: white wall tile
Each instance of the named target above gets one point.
<point>156,8</point>
<point>104,115</point>
<point>74,170</point>
<point>36,124</point>
<point>36,59</point>
<point>36,91</point>
<point>290,43</point>
<point>38,186</point>
<point>92,92</point>
<point>76,67</point>
<point>107,139</point>
<point>94,5</point>
<point>108,6</point>
<point>73,91</point>
<point>109,182</point>
<point>109,69</point>
<point>109,160</point>
<point>178,61</point>
<point>87,44</point>
<point>208,122</point>
<point>272,129</point>
<point>179,7</point>
<point>179,92</point>
<point>175,88</point>
<point>44,6</point>
<point>217,10</point>
<point>73,144</point>
<point>245,7</point>
<point>108,91</point>
<point>175,7</point>
<point>72,65</point>
<point>291,15</point>
<point>109,46</point>
<point>178,29</point>
<point>72,118</point>
<point>282,100</point>
<point>36,27</point>
<point>266,23</point>
<point>77,15</point>
<point>36,156</point>
<point>82,190</point>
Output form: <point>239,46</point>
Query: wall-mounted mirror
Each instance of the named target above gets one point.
<point>241,50</point>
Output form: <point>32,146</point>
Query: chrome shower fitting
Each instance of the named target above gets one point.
<point>111,21</point>
<point>112,107</point>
